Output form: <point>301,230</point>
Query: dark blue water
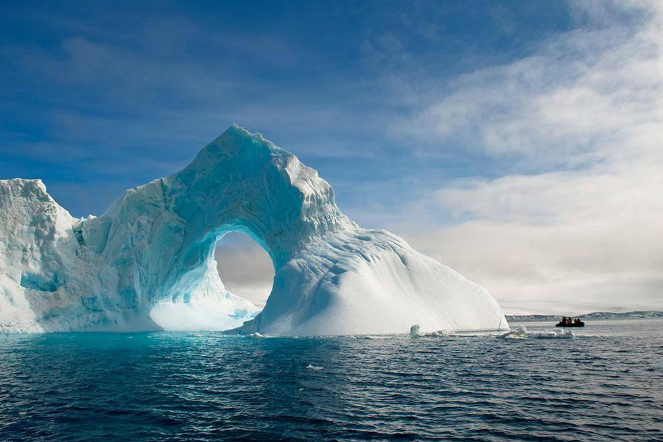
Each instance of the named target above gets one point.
<point>606,383</point>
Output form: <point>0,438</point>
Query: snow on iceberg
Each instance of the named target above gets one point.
<point>148,262</point>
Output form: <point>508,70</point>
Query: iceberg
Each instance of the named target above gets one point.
<point>147,263</point>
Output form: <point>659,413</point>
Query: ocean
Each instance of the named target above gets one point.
<point>606,383</point>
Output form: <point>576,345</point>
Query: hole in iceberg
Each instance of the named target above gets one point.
<point>229,287</point>
<point>245,268</point>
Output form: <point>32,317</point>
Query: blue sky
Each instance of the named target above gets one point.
<point>481,131</point>
<point>97,98</point>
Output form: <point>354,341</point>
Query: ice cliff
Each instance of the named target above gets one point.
<point>148,262</point>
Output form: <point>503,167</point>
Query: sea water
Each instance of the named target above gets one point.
<point>606,382</point>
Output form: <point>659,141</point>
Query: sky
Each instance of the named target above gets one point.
<point>518,142</point>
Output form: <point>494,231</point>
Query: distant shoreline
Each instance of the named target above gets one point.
<point>593,315</point>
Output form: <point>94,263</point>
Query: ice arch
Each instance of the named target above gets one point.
<point>218,307</point>
<point>155,244</point>
<point>161,236</point>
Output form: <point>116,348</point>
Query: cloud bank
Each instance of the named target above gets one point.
<point>575,221</point>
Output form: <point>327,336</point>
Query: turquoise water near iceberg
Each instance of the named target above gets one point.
<point>606,383</point>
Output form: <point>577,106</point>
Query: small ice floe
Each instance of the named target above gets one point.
<point>415,331</point>
<point>520,332</point>
<point>440,333</point>
<point>315,367</point>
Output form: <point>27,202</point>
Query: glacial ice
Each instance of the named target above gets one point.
<point>148,262</point>
<point>521,332</point>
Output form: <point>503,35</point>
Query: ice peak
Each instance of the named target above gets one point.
<point>238,134</point>
<point>34,182</point>
<point>25,187</point>
<point>235,142</point>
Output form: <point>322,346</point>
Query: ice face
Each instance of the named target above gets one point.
<point>150,259</point>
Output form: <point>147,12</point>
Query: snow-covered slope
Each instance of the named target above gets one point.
<point>148,262</point>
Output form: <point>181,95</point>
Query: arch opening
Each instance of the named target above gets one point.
<point>245,268</point>
<point>228,286</point>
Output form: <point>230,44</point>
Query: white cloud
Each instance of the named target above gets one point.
<point>581,225</point>
<point>578,98</point>
<point>555,242</point>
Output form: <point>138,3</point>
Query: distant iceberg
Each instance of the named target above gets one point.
<point>148,262</point>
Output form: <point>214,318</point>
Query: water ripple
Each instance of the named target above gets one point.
<point>208,387</point>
